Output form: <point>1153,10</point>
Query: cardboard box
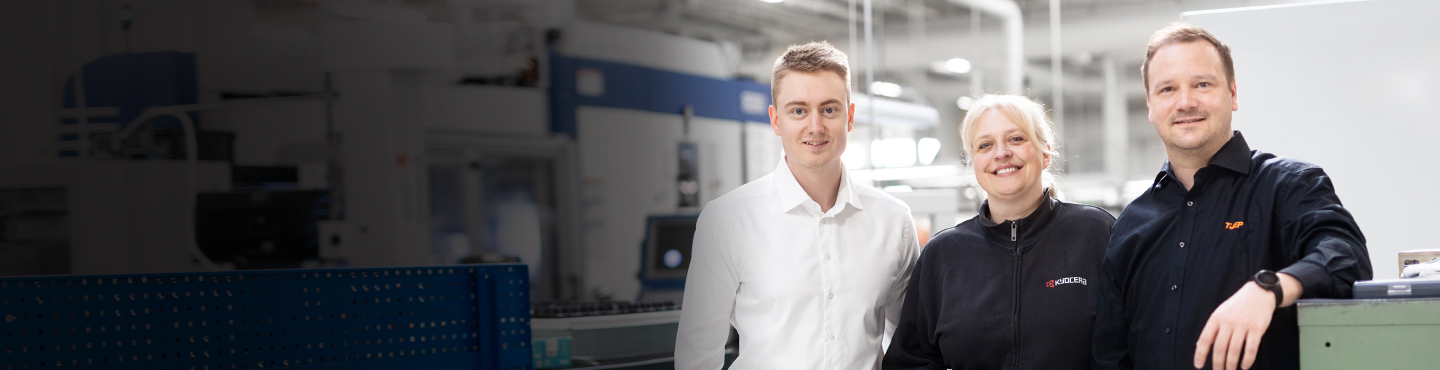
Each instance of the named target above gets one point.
<point>1411,257</point>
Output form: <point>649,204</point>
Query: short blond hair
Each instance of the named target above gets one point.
<point>810,57</point>
<point>1025,113</point>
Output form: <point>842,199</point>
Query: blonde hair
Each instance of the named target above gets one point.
<point>810,57</point>
<point>1025,113</point>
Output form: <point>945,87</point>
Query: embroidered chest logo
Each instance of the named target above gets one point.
<point>1068,280</point>
<point>1234,225</point>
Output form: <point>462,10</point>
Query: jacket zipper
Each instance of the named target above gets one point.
<point>1015,316</point>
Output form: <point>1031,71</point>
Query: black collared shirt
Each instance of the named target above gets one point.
<point>1175,255</point>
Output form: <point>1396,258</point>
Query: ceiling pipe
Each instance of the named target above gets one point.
<point>1009,13</point>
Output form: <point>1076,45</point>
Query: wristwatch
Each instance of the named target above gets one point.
<point>1267,280</point>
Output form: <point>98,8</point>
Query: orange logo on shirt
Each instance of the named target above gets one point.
<point>1234,225</point>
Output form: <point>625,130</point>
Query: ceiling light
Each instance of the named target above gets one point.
<point>854,156</point>
<point>965,102</point>
<point>773,1</point>
<point>928,148</point>
<point>957,65</point>
<point>892,152</point>
<point>883,88</point>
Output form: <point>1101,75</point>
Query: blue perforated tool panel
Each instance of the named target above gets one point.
<point>453,317</point>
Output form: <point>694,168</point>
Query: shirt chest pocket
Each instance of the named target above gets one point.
<point>1240,242</point>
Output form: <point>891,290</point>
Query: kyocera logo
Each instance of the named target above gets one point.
<point>1068,280</point>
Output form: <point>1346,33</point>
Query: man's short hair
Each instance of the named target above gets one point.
<point>810,57</point>
<point>1178,32</point>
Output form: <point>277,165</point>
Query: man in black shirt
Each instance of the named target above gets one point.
<point>1207,263</point>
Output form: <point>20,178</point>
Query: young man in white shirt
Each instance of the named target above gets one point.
<point>809,266</point>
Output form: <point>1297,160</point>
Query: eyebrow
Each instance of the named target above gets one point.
<point>1015,130</point>
<point>802,103</point>
<point>1200,76</point>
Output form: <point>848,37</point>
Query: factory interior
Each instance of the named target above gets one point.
<point>561,150</point>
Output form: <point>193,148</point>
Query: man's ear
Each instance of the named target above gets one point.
<point>1149,109</point>
<point>1234,97</point>
<point>774,121</point>
<point>850,123</point>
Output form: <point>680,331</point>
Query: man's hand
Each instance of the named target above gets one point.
<point>1239,323</point>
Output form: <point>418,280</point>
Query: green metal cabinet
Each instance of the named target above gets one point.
<point>1369,333</point>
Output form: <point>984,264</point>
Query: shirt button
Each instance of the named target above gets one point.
<point>832,295</point>
<point>827,256</point>
<point>1167,331</point>
<point>1190,203</point>
<point>832,336</point>
<point>1182,244</point>
<point>1173,287</point>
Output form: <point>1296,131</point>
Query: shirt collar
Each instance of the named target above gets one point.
<point>1234,156</point>
<point>792,195</point>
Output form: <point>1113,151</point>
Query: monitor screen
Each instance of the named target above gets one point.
<point>668,246</point>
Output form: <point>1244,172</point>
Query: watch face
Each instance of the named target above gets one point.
<point>1267,278</point>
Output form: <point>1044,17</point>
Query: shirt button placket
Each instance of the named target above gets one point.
<point>827,281</point>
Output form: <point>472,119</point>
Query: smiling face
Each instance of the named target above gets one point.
<point>1189,97</point>
<point>812,117</point>
<point>1007,163</point>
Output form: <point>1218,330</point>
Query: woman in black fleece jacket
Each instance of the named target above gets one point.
<point>1009,288</point>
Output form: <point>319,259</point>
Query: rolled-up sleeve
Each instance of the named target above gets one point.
<point>1320,234</point>
<point>709,302</point>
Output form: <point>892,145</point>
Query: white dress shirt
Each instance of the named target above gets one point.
<point>806,289</point>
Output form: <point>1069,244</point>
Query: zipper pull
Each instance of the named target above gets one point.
<point>1012,231</point>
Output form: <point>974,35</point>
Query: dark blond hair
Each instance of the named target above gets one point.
<point>1178,32</point>
<point>810,57</point>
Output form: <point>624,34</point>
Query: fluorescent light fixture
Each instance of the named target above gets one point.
<point>911,173</point>
<point>773,1</point>
<point>853,157</point>
<point>1133,189</point>
<point>893,152</point>
<point>965,102</point>
<point>886,89</point>
<point>899,189</point>
<point>928,148</point>
<point>957,65</point>
<point>379,13</point>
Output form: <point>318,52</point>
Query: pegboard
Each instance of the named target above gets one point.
<point>452,317</point>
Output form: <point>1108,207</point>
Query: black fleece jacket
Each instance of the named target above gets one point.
<point>1014,295</point>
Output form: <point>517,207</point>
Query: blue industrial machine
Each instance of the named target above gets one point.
<point>447,317</point>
